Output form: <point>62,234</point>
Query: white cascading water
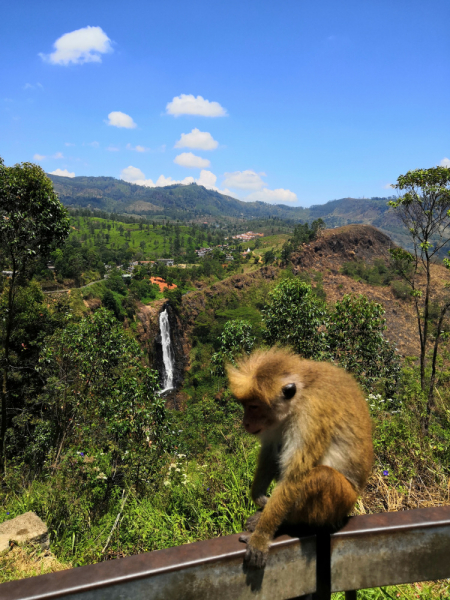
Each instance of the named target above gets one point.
<point>167,354</point>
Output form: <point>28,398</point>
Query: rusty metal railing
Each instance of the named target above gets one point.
<point>369,551</point>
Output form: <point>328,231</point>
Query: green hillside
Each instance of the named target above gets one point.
<point>195,203</point>
<point>184,202</point>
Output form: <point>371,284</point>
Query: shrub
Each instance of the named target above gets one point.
<point>356,342</point>
<point>99,398</point>
<point>237,338</point>
<point>295,316</point>
<point>401,290</point>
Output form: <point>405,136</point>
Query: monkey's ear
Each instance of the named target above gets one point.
<point>289,391</point>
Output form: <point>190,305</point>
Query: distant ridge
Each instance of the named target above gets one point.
<point>174,201</point>
<point>191,202</point>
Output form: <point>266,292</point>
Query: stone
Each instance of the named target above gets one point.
<point>24,528</point>
<point>4,542</point>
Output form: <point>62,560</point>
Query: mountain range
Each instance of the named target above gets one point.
<point>192,202</point>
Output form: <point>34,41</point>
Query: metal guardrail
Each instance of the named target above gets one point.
<point>369,551</point>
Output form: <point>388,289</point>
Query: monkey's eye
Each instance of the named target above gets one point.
<point>289,390</point>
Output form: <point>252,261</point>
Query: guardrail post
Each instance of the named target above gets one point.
<point>323,566</point>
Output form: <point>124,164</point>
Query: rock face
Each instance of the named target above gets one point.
<point>177,344</point>
<point>349,243</point>
<point>24,528</point>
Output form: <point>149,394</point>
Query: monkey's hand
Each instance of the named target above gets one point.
<point>260,501</point>
<point>257,550</point>
<point>252,521</point>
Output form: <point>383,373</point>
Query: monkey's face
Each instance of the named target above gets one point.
<point>260,416</point>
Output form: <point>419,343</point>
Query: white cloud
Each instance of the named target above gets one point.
<point>120,119</point>
<point>112,148</point>
<point>58,155</point>
<point>202,140</point>
<point>69,144</point>
<point>445,162</point>
<point>136,176</point>
<point>388,186</point>
<point>279,196</point>
<point>187,104</point>
<point>207,179</point>
<point>39,157</point>
<point>137,148</point>
<point>79,46</point>
<point>244,180</point>
<point>62,173</point>
<point>30,86</point>
<point>187,159</point>
<point>132,174</point>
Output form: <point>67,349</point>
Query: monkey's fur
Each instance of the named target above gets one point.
<point>316,442</point>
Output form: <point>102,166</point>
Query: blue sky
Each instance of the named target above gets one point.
<point>289,101</point>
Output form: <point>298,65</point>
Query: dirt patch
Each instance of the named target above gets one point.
<point>162,284</point>
<point>93,303</point>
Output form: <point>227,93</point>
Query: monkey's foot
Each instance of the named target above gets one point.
<point>256,553</point>
<point>252,521</point>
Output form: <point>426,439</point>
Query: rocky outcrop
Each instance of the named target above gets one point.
<point>147,321</point>
<point>344,244</point>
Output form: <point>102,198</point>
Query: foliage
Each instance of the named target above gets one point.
<point>269,257</point>
<point>100,399</point>
<point>355,338</point>
<point>424,209</point>
<point>377,274</point>
<point>237,338</point>
<point>294,316</point>
<point>32,219</point>
<point>112,302</point>
<point>303,234</point>
<point>175,296</point>
<point>32,223</point>
<point>400,289</point>
<point>350,334</point>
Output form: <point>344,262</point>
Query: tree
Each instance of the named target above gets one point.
<point>424,209</point>
<point>33,222</point>
<point>350,335</point>
<point>294,316</point>
<point>99,396</point>
<point>237,338</point>
<point>356,342</point>
<point>269,256</point>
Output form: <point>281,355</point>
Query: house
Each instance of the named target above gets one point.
<point>169,262</point>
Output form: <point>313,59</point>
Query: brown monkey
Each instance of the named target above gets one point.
<point>316,442</point>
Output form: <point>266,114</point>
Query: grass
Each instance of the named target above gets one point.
<point>28,560</point>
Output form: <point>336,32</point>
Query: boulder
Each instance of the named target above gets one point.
<point>24,528</point>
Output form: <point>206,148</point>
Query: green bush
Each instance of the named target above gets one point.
<point>99,398</point>
<point>237,338</point>
<point>356,342</point>
<point>351,334</point>
<point>378,274</point>
<point>296,317</point>
<point>401,290</point>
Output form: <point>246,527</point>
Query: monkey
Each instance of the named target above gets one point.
<point>315,432</point>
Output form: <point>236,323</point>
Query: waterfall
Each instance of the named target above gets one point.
<point>167,351</point>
